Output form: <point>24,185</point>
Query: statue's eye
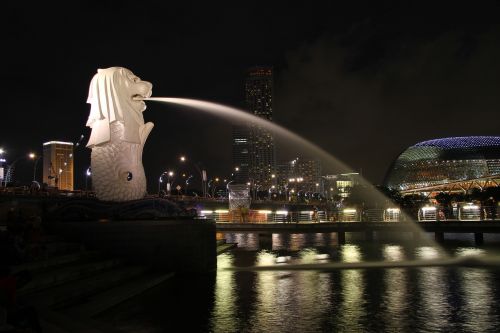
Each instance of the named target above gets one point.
<point>129,176</point>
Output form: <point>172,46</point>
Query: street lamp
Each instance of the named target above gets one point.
<point>88,173</point>
<point>159,184</point>
<point>1,165</point>
<point>11,167</point>
<point>214,188</point>
<point>270,191</point>
<point>34,157</point>
<point>169,184</point>
<point>203,174</point>
<point>160,180</point>
<point>187,183</point>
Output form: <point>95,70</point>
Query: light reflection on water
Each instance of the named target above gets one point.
<point>224,308</point>
<point>431,299</point>
<point>476,290</point>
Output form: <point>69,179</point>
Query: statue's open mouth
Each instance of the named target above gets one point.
<point>138,97</point>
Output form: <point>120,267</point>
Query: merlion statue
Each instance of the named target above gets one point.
<point>118,134</point>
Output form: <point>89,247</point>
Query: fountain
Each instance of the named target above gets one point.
<point>371,193</point>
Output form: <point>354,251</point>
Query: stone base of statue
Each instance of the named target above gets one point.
<point>92,209</point>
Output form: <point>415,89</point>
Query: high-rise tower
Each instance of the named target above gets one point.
<point>259,101</point>
<point>241,153</point>
<point>58,164</point>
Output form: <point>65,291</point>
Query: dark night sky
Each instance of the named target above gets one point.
<point>361,81</point>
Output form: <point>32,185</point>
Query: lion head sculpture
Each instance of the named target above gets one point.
<point>118,134</point>
<point>113,97</point>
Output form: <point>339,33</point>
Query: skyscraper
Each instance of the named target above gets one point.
<point>58,164</point>
<point>305,174</point>
<point>259,101</point>
<point>241,150</point>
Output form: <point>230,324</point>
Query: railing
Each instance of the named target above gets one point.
<point>486,213</point>
<point>52,192</point>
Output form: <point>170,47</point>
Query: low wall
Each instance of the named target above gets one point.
<point>183,246</point>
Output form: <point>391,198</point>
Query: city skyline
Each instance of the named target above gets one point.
<point>362,83</point>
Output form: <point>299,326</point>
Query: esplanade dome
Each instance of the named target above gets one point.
<point>445,160</point>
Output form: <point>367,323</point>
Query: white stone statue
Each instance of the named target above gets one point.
<point>118,134</point>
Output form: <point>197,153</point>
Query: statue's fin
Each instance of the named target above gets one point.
<point>144,131</point>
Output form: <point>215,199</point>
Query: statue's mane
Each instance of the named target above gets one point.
<point>110,100</point>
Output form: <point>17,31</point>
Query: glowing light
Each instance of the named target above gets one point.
<point>206,211</point>
<point>393,253</point>
<point>323,256</point>
<point>283,259</point>
<point>2,151</point>
<point>428,208</point>
<point>427,252</point>
<point>222,211</point>
<point>265,211</point>
<point>308,255</point>
<point>265,258</point>
<point>32,155</point>
<point>349,210</point>
<point>282,212</point>
<point>58,143</point>
<point>351,253</point>
<point>182,158</point>
<point>469,251</point>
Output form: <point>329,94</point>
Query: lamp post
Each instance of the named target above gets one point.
<point>88,173</point>
<point>187,183</point>
<point>159,184</point>
<point>214,187</point>
<point>203,174</point>
<point>2,176</point>
<point>36,158</point>
<point>11,167</point>
<point>160,181</point>
<point>169,184</point>
<point>270,191</point>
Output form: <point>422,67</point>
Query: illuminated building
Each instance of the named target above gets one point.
<point>455,164</point>
<point>241,157</point>
<point>340,185</point>
<point>58,164</point>
<point>304,174</point>
<point>259,101</point>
